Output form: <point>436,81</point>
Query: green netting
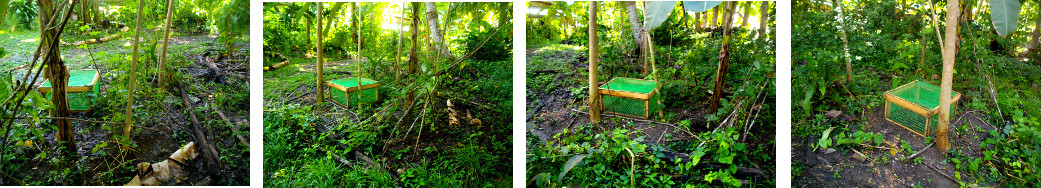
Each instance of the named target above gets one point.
<point>926,97</point>
<point>78,78</point>
<point>628,106</point>
<point>352,98</point>
<point>79,101</point>
<point>630,85</point>
<point>631,107</point>
<point>352,82</point>
<point>920,93</point>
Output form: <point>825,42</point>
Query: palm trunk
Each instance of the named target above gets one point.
<point>321,62</point>
<point>594,94</point>
<point>436,35</point>
<point>166,42</point>
<point>949,57</point>
<point>724,59</point>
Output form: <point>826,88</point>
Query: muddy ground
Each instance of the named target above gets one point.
<point>840,169</point>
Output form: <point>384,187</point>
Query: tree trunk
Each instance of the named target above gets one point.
<point>321,62</point>
<point>309,26</point>
<point>949,57</point>
<point>744,16</point>
<point>166,41</point>
<point>697,21</point>
<point>936,25</point>
<point>764,11</point>
<point>354,23</point>
<point>1035,39</point>
<point>397,57</point>
<point>413,57</point>
<point>131,78</point>
<point>724,59</point>
<point>715,15</point>
<point>437,37</point>
<point>57,73</point>
<point>637,28</point>
<point>594,93</point>
<point>845,41</point>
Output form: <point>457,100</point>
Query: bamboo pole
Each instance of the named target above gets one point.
<point>949,55</point>
<point>129,115</point>
<point>321,63</point>
<point>166,42</point>
<point>594,95</point>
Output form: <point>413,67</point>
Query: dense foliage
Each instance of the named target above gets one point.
<point>617,153</point>
<point>895,42</point>
<point>406,134</point>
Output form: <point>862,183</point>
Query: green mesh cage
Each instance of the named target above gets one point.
<point>369,92</point>
<point>914,106</point>
<point>78,79</point>
<point>630,97</point>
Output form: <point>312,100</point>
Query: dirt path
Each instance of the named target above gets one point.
<point>840,169</point>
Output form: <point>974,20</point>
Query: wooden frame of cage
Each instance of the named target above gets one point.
<point>918,109</point>
<point>349,90</point>
<point>76,89</point>
<point>645,97</point>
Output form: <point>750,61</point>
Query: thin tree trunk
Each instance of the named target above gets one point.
<point>309,26</point>
<point>594,93</point>
<point>57,74</point>
<point>131,78</point>
<point>936,25</point>
<point>166,41</point>
<point>397,57</point>
<point>436,35</point>
<point>949,57</point>
<point>764,11</point>
<point>845,41</point>
<point>321,62</point>
<point>637,28</point>
<point>724,59</point>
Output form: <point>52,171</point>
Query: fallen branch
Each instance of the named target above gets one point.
<point>920,151</point>
<point>209,154</point>
<point>639,120</point>
<point>941,172</point>
<point>235,126</point>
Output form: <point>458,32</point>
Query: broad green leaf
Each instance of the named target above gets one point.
<point>657,12</point>
<point>699,6</point>
<point>1005,15</point>
<point>571,163</point>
